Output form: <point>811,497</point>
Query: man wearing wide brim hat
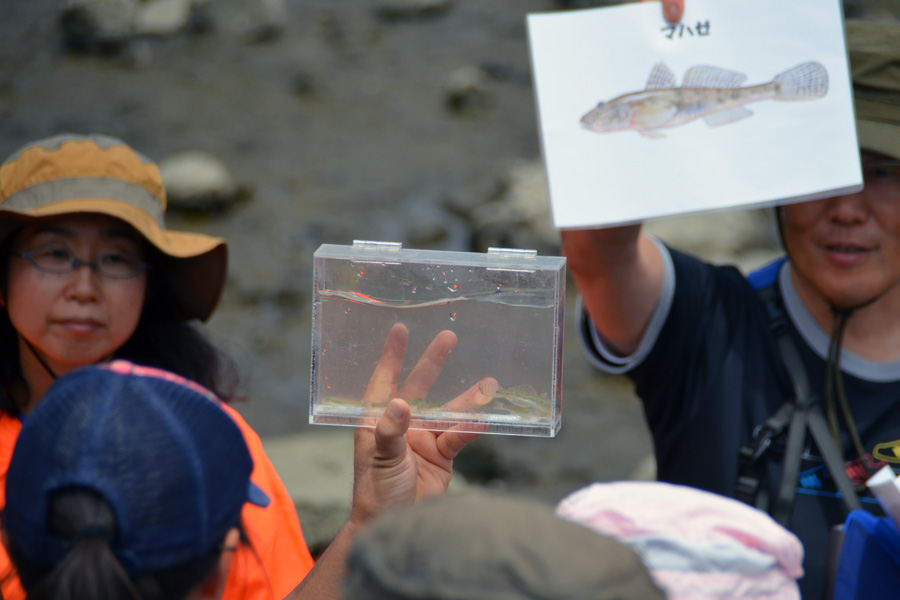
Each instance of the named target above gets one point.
<point>69,174</point>
<point>875,67</point>
<point>783,388</point>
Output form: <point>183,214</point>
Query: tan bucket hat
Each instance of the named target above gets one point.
<point>874,49</point>
<point>68,174</point>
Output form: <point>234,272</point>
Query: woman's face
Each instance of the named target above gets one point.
<point>83,316</point>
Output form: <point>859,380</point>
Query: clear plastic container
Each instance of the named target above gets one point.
<point>504,307</point>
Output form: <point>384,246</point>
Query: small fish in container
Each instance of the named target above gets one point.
<point>479,337</point>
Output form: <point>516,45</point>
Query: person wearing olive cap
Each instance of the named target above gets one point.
<point>482,545</point>
<point>782,389</point>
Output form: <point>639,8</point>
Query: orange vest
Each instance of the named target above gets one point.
<point>269,567</point>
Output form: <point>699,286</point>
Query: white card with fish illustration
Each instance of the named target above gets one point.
<point>737,106</point>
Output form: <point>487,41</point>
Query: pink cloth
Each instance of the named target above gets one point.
<point>696,544</point>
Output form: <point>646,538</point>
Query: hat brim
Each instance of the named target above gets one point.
<point>880,137</point>
<point>199,271</point>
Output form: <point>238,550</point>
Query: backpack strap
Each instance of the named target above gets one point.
<point>750,475</point>
<point>799,414</point>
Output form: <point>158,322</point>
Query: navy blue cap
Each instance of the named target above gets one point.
<point>171,463</point>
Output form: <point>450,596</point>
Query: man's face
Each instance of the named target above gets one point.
<point>846,249</point>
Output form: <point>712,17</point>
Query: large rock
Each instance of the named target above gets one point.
<point>249,20</point>
<point>411,9</point>
<point>317,470</point>
<point>198,182</point>
<point>98,25</point>
<point>466,91</point>
<point>162,17</point>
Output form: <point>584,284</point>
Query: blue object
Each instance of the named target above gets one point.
<point>159,449</point>
<point>766,275</point>
<point>869,566</point>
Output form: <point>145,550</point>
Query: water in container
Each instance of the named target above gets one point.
<point>500,312</point>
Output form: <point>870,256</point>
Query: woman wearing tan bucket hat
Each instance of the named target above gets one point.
<point>70,201</point>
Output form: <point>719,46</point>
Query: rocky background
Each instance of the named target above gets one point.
<point>284,124</point>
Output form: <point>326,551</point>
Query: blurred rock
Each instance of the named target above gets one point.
<point>198,182</point>
<point>411,9</point>
<point>514,211</point>
<point>747,238</point>
<point>318,229</point>
<point>466,90</point>
<point>251,20</point>
<point>481,188</point>
<point>285,298</point>
<point>872,10</point>
<point>103,26</point>
<point>274,277</point>
<point>349,34</point>
<point>520,217</point>
<point>427,224</point>
<point>317,470</point>
<point>304,85</point>
<point>502,70</point>
<point>645,470</point>
<point>8,98</point>
<point>162,17</point>
<point>137,55</point>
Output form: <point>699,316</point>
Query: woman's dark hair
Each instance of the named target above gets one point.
<point>166,340</point>
<point>163,338</point>
<point>90,569</point>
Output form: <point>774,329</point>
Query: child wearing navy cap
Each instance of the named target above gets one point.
<point>127,482</point>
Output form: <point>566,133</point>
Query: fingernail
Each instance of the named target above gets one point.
<point>672,11</point>
<point>395,410</point>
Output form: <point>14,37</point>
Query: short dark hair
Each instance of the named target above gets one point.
<point>167,340</point>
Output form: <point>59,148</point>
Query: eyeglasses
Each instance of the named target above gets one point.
<point>118,265</point>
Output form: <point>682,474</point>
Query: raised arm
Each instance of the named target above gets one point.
<point>618,271</point>
<point>619,274</point>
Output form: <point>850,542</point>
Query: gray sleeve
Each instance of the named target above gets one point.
<point>596,349</point>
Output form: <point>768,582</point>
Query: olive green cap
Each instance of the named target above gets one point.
<point>874,49</point>
<point>482,545</point>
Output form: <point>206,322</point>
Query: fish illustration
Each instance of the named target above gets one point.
<point>711,93</point>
